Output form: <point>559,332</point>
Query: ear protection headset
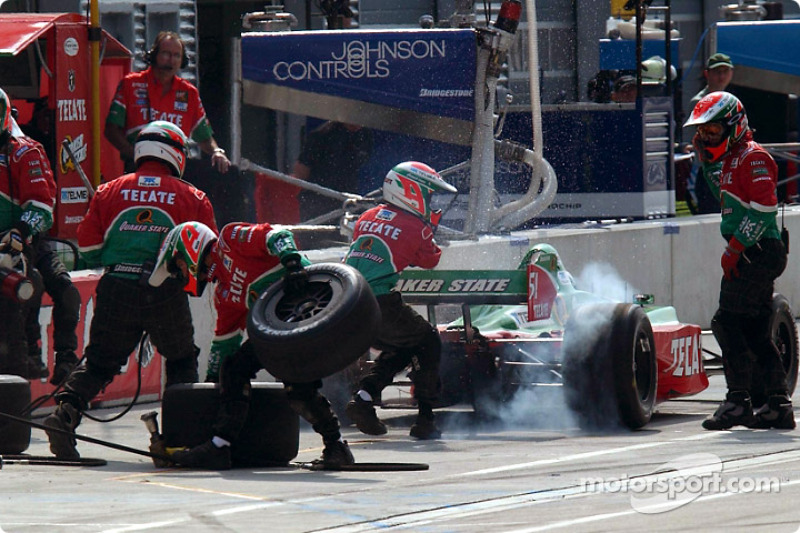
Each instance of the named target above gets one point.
<point>150,55</point>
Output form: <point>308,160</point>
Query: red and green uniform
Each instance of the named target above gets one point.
<point>386,241</point>
<point>129,217</point>
<point>247,260</point>
<point>27,189</point>
<point>139,101</point>
<point>746,186</point>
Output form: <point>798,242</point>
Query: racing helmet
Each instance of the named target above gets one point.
<point>409,186</point>
<point>192,242</point>
<point>722,108</point>
<point>162,141</point>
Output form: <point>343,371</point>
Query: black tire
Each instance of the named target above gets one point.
<point>15,396</point>
<point>304,337</point>
<point>609,366</point>
<point>784,333</point>
<point>271,433</point>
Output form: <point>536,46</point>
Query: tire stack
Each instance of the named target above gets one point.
<point>15,396</point>
<point>271,434</point>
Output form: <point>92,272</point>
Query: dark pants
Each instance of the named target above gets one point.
<point>304,398</point>
<point>124,310</point>
<point>66,303</point>
<point>405,338</point>
<point>741,324</point>
<point>13,318</point>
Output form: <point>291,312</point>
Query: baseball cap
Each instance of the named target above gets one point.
<point>719,60</point>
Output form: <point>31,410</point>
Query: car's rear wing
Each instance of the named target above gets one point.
<point>537,282</point>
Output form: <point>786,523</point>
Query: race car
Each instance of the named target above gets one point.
<point>533,327</point>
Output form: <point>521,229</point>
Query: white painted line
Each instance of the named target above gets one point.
<point>580,456</point>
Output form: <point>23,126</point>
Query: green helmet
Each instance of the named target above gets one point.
<point>725,109</point>
<point>191,242</point>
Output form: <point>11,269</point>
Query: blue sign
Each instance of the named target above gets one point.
<point>382,79</point>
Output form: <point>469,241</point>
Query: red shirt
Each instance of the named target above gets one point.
<point>139,101</point>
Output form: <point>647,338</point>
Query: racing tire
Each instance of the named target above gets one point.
<point>270,435</point>
<point>15,396</point>
<point>784,334</point>
<point>609,366</point>
<point>306,336</point>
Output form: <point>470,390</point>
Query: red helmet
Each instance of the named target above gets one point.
<point>191,242</point>
<point>409,186</point>
<point>721,108</point>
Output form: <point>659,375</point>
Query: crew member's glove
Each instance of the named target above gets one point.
<point>12,242</point>
<point>12,245</point>
<point>730,258</point>
<point>296,277</point>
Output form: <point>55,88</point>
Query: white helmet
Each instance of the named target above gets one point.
<point>409,186</point>
<point>162,141</point>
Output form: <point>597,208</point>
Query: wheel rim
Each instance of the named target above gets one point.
<point>298,307</point>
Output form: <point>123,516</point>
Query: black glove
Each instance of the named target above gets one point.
<point>296,278</point>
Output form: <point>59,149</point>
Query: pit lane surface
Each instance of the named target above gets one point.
<point>536,476</point>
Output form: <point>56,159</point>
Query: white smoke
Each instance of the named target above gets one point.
<point>604,281</point>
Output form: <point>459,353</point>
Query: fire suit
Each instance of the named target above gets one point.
<point>747,191</point>
<point>248,258</point>
<point>386,241</point>
<point>122,231</point>
<point>27,199</point>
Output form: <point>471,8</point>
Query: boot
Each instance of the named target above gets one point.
<point>64,365</point>
<point>362,412</point>
<point>66,417</point>
<point>335,454</point>
<point>206,456</point>
<point>736,410</point>
<point>425,428</point>
<point>776,413</point>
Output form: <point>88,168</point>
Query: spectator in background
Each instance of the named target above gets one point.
<point>718,74</point>
<point>158,93</point>
<point>332,156</point>
<point>624,89</point>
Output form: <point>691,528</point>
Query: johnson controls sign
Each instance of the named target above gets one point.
<point>378,78</point>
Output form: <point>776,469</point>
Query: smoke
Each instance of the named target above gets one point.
<point>603,280</point>
<point>515,396</point>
